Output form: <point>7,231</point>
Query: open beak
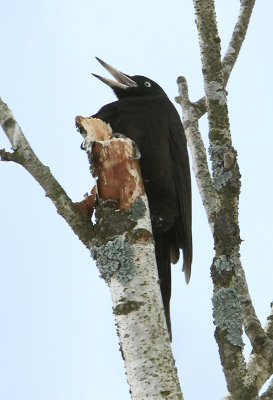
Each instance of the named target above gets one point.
<point>122,81</point>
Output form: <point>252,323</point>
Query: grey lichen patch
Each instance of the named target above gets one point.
<point>226,231</point>
<point>127,307</point>
<point>231,262</point>
<point>224,263</point>
<point>227,68</point>
<point>221,175</point>
<point>9,123</point>
<point>216,92</point>
<point>228,314</point>
<point>221,178</point>
<point>115,259</point>
<point>219,133</point>
<point>138,210</point>
<point>189,116</point>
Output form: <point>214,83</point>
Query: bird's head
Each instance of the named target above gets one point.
<point>129,86</point>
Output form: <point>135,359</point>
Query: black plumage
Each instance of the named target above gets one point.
<point>144,113</point>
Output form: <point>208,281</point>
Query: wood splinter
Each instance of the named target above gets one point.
<point>114,162</point>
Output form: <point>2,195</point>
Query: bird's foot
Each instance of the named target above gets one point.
<point>118,136</point>
<point>137,152</point>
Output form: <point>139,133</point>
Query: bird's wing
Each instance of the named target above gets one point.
<point>178,146</point>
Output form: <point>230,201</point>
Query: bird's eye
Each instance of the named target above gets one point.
<point>147,84</point>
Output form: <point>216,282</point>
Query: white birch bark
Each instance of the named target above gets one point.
<point>141,327</point>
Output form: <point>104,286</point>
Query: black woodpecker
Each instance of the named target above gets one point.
<point>144,113</point>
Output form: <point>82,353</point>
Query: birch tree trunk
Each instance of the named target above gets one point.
<point>124,252</point>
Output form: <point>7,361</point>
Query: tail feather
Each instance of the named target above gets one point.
<point>162,252</point>
<point>187,260</point>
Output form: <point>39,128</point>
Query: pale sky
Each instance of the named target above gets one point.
<point>57,336</point>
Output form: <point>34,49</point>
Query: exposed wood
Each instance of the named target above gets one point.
<point>114,163</point>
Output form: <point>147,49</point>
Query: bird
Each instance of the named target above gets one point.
<point>144,113</point>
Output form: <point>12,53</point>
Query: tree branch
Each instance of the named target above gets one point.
<point>193,111</point>
<point>228,315</point>
<point>237,38</point>
<point>226,180</point>
<point>24,155</point>
<point>198,152</point>
<point>260,364</point>
<point>251,322</point>
<point>216,193</point>
<point>233,50</point>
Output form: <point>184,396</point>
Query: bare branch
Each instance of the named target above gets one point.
<point>25,156</point>
<point>230,290</point>
<point>237,38</point>
<point>251,322</point>
<point>224,189</point>
<point>228,314</point>
<point>260,364</point>
<point>198,151</point>
<point>233,49</point>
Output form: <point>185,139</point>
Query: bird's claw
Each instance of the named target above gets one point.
<point>137,152</point>
<point>119,136</point>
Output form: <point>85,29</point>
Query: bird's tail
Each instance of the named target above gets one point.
<point>162,253</point>
<point>187,256</point>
